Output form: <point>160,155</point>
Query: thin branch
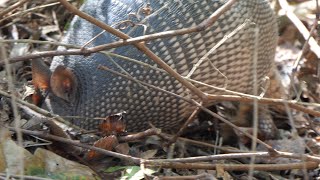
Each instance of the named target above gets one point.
<point>75,143</point>
<point>301,27</point>
<point>16,115</point>
<point>140,135</point>
<point>293,104</point>
<point>15,176</point>
<point>13,7</point>
<point>27,11</point>
<point>208,145</point>
<point>234,167</point>
<point>255,102</point>
<point>185,125</point>
<point>41,111</point>
<point>191,177</point>
<point>38,42</point>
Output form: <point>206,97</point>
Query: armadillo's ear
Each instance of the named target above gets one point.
<point>63,83</point>
<point>40,74</point>
<point>40,79</point>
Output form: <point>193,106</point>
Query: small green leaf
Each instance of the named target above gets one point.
<point>115,168</point>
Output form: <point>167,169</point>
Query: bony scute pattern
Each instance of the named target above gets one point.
<point>230,65</point>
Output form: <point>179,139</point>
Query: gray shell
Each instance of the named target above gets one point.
<point>102,93</point>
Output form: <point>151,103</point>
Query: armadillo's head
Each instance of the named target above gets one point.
<point>62,87</point>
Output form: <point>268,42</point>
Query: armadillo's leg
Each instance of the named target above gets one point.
<point>266,124</point>
<point>277,91</point>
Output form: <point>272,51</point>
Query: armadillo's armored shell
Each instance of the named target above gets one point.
<point>101,93</point>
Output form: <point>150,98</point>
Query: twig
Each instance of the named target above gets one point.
<point>235,167</point>
<point>41,111</point>
<point>185,125</point>
<point>199,176</point>
<point>75,143</point>
<point>87,51</point>
<point>137,136</point>
<point>300,26</point>
<point>25,177</point>
<point>16,116</point>
<point>13,7</point>
<point>208,145</point>
<point>214,48</point>
<point>39,55</point>
<point>304,48</point>
<point>255,102</point>
<point>38,42</point>
<point>303,157</point>
<point>27,11</point>
<point>293,104</point>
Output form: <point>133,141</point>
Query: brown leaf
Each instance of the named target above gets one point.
<point>107,143</point>
<point>113,124</point>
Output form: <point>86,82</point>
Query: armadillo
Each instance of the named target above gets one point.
<point>92,92</point>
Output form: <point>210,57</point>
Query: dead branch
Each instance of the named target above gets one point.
<point>13,7</point>
<point>300,26</point>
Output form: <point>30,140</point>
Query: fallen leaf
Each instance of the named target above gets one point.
<point>106,143</point>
